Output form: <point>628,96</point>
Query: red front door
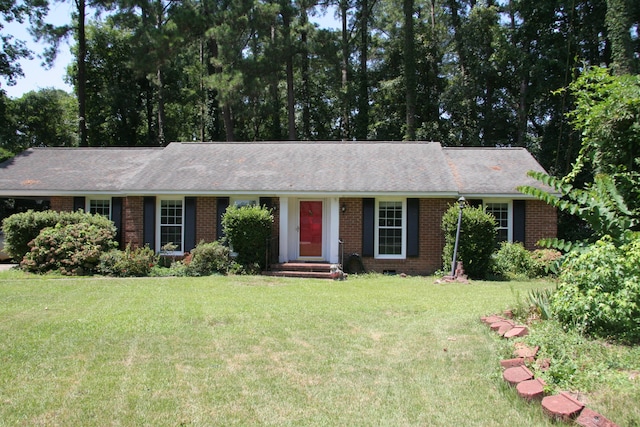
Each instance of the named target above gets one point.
<point>310,228</point>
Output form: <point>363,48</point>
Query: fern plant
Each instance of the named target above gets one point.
<point>600,204</point>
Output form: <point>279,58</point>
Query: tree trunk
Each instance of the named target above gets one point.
<point>161,113</point>
<point>344,122</point>
<point>306,109</point>
<point>409,70</point>
<point>291,113</point>
<point>82,74</point>
<point>362,124</point>
<point>618,20</point>
<point>228,122</point>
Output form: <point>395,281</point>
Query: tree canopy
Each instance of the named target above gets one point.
<point>462,72</point>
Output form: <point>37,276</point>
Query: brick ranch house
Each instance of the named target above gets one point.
<point>382,200</point>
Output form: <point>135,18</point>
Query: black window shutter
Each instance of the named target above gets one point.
<point>223,204</point>
<point>116,217</point>
<point>266,202</point>
<point>474,203</point>
<point>519,215</point>
<point>368,226</point>
<point>78,203</point>
<point>413,227</point>
<point>149,218</point>
<point>190,223</point>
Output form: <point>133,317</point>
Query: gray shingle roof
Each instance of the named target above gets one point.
<point>414,168</point>
<point>499,171</point>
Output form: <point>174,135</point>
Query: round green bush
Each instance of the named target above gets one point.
<point>71,249</point>
<point>247,230</point>
<point>599,291</point>
<point>477,240</point>
<point>136,262</point>
<point>512,261</point>
<point>21,228</point>
<point>209,258</point>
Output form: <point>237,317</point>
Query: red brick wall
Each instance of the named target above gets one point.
<point>541,221</point>
<point>206,214</point>
<point>351,225</point>
<point>132,221</point>
<point>62,203</point>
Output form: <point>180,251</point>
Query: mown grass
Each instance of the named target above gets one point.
<point>372,350</point>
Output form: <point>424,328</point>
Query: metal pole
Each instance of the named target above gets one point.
<point>461,201</point>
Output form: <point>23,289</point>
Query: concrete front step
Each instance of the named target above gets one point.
<point>312,270</point>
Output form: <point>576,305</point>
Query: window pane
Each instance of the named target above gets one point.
<point>171,235</point>
<point>390,242</point>
<point>171,212</point>
<point>100,207</point>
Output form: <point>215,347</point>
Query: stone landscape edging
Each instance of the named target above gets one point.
<point>560,407</point>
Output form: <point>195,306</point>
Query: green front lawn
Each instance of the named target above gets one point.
<point>255,351</point>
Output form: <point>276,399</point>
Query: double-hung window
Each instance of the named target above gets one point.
<point>100,207</point>
<point>171,223</point>
<point>502,212</point>
<point>391,219</point>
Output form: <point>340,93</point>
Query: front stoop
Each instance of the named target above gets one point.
<point>310,270</point>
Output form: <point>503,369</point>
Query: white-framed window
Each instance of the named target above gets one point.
<point>100,206</point>
<point>171,223</point>
<point>391,228</point>
<point>504,218</point>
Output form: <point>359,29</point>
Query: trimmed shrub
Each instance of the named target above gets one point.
<point>136,262</point>
<point>21,228</point>
<point>247,229</point>
<point>209,258</point>
<point>71,249</point>
<point>513,261</point>
<point>599,291</point>
<point>477,240</point>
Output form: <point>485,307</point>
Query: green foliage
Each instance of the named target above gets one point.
<point>21,228</point>
<point>545,262</point>
<point>607,113</point>
<point>247,230</point>
<point>45,118</point>
<point>5,154</point>
<point>599,291</point>
<point>600,205</point>
<point>136,262</point>
<point>477,239</point>
<point>578,363</point>
<point>71,249</point>
<point>512,261</point>
<point>209,258</point>
<point>539,302</point>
